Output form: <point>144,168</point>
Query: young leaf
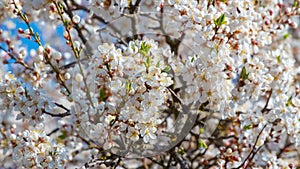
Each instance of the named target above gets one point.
<point>193,59</point>
<point>289,102</point>
<point>157,64</point>
<point>286,35</point>
<point>147,63</point>
<point>144,49</point>
<point>244,74</point>
<point>202,144</point>
<point>102,94</point>
<point>278,59</point>
<point>167,69</point>
<point>201,130</point>
<point>181,151</point>
<point>61,137</point>
<point>248,127</point>
<point>128,85</point>
<point>220,21</point>
<point>296,4</point>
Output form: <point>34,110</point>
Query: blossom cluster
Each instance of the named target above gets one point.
<point>245,68</point>
<point>128,91</point>
<point>107,79</point>
<point>34,149</point>
<point>28,102</point>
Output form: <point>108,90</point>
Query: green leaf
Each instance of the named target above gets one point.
<point>144,49</point>
<point>167,69</point>
<point>61,137</point>
<point>286,35</point>
<point>201,130</point>
<point>128,86</point>
<point>193,59</point>
<point>296,3</point>
<point>103,158</point>
<point>248,127</point>
<point>66,23</point>
<point>220,21</point>
<point>202,144</point>
<point>244,74</point>
<point>278,59</point>
<point>102,94</point>
<point>157,64</point>
<point>289,102</point>
<point>147,63</point>
<point>181,151</point>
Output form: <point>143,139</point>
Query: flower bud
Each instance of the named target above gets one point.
<point>76,19</point>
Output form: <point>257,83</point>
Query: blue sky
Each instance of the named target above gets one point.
<point>28,44</point>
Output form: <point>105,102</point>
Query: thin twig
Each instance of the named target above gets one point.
<point>57,115</point>
<point>38,41</point>
<point>265,109</point>
<point>75,50</point>
<point>21,62</point>
<point>53,131</point>
<point>253,151</point>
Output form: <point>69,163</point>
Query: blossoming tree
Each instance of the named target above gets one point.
<point>149,84</point>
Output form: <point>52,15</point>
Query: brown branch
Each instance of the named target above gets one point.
<point>53,131</point>
<point>68,10</point>
<point>38,41</point>
<point>57,115</point>
<point>253,151</point>
<point>67,66</point>
<point>21,62</point>
<point>75,50</point>
<point>67,113</point>
<point>173,43</point>
<point>62,106</point>
<point>286,145</point>
<point>265,109</point>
